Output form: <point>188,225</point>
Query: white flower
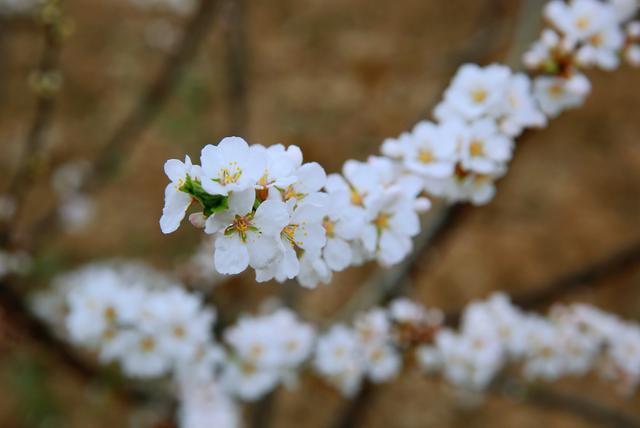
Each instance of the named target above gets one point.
<point>391,222</point>
<point>429,150</point>
<point>303,233</point>
<point>520,110</point>
<point>205,404</point>
<point>246,381</point>
<point>310,178</point>
<point>176,202</point>
<point>183,325</point>
<point>343,223</point>
<point>138,352</point>
<point>280,167</point>
<point>580,19</point>
<point>313,270</point>
<point>554,94</point>
<point>602,48</point>
<point>231,166</point>
<point>383,362</point>
<point>97,306</point>
<point>485,150</point>
<point>245,237</point>
<point>338,358</point>
<point>474,91</point>
<point>469,361</point>
<point>360,180</point>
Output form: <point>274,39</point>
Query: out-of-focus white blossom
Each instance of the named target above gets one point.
<point>205,404</point>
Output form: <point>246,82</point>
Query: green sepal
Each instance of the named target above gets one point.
<point>210,203</point>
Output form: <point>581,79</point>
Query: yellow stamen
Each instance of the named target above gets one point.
<point>357,198</point>
<point>329,227</point>
<point>147,344</point>
<point>479,95</point>
<point>425,156</point>
<point>476,149</point>
<point>382,221</point>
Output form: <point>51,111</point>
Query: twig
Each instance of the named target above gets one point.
<point>110,158</point>
<point>236,65</point>
<point>15,316</point>
<point>156,95</point>
<point>31,155</point>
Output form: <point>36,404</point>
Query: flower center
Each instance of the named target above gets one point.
<point>147,344</point>
<point>241,225</point>
<point>357,198</point>
<point>556,90</point>
<point>231,174</point>
<point>291,193</point>
<point>425,156</point>
<point>288,232</point>
<point>476,148</point>
<point>597,40</point>
<point>110,314</point>
<point>329,227</point>
<point>583,23</point>
<point>478,95</point>
<point>382,221</point>
<point>179,331</point>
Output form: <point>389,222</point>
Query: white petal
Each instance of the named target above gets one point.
<point>231,255</point>
<point>263,250</point>
<point>175,170</point>
<point>311,177</point>
<point>175,206</point>
<point>271,217</point>
<point>337,254</point>
<point>242,202</point>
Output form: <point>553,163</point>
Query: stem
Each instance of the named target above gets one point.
<point>112,155</point>
<point>31,157</point>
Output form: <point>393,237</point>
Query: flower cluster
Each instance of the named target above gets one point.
<point>371,349</point>
<point>134,316</point>
<point>461,156</point>
<point>265,351</point>
<point>582,34</point>
<point>267,209</point>
<point>138,317</point>
<point>572,340</point>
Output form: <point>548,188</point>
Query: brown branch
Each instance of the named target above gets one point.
<point>157,94</point>
<point>594,274</point>
<point>17,320</point>
<point>31,155</point>
<point>110,158</point>
<point>236,65</point>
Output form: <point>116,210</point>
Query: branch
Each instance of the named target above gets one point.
<point>31,156</point>
<point>16,317</point>
<point>157,94</point>
<point>590,411</point>
<point>618,264</point>
<point>111,156</point>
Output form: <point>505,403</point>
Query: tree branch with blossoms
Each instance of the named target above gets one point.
<point>266,209</point>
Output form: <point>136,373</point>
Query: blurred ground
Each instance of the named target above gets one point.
<point>335,77</point>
